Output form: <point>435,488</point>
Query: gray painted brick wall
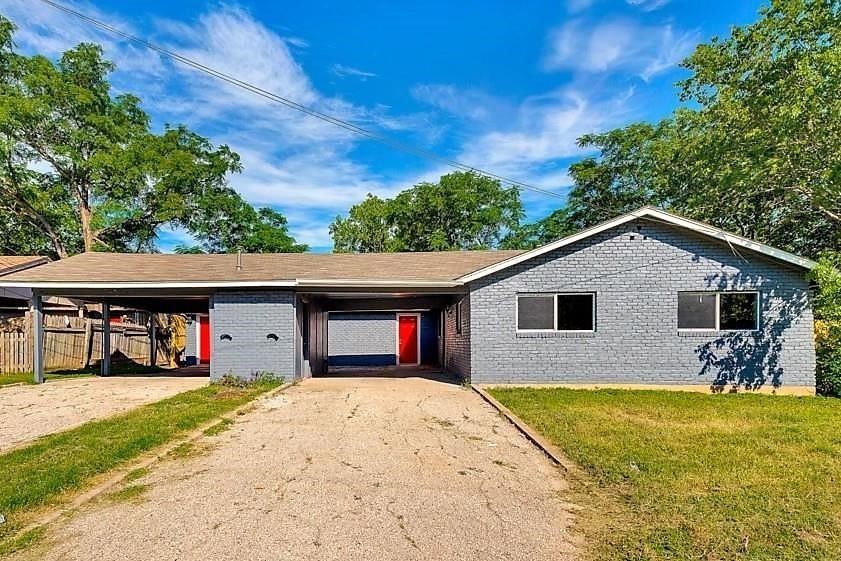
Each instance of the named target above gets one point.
<point>457,346</point>
<point>636,275</point>
<point>362,333</point>
<point>248,317</point>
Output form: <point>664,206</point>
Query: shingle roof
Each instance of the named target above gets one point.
<point>9,263</point>
<point>203,269</point>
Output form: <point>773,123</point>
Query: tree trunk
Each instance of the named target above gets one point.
<point>87,233</point>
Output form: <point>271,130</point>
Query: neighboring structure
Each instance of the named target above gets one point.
<point>648,298</point>
<point>14,302</point>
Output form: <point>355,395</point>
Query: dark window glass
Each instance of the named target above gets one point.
<point>696,310</point>
<point>458,318</point>
<point>738,310</point>
<point>575,312</point>
<point>535,312</point>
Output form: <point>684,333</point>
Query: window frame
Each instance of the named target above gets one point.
<point>717,328</point>
<point>459,316</point>
<point>554,296</point>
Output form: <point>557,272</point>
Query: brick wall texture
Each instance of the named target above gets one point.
<point>457,346</point>
<point>353,336</point>
<point>636,271</point>
<point>248,317</point>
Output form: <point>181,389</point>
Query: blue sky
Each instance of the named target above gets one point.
<point>501,85</point>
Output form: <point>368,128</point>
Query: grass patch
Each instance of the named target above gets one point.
<point>219,427</point>
<point>43,472</point>
<point>136,474</point>
<point>130,493</point>
<point>673,475</point>
<point>21,542</point>
<point>184,450</point>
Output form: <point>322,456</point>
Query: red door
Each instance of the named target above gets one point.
<point>407,344</point>
<point>204,340</point>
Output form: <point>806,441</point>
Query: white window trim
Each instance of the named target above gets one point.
<point>554,296</point>
<point>717,327</point>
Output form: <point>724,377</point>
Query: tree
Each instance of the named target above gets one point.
<point>231,224</point>
<point>546,230</point>
<point>81,169</point>
<point>367,228</point>
<point>463,210</point>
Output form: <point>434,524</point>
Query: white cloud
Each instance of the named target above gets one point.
<point>45,30</point>
<point>465,103</point>
<point>575,6</point>
<point>344,71</point>
<point>617,45</point>
<point>648,5</point>
<point>546,130</point>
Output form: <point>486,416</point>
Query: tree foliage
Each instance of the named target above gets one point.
<point>463,210</point>
<point>82,170</point>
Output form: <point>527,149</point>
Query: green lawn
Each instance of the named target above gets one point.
<point>672,475</point>
<point>43,472</point>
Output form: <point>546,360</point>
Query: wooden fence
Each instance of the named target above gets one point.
<point>71,343</point>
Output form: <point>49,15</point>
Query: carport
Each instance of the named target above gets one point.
<point>152,300</point>
<point>372,330</point>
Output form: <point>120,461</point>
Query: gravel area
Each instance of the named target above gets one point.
<point>339,468</point>
<point>27,412</point>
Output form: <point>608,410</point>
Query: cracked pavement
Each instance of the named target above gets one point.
<point>340,468</point>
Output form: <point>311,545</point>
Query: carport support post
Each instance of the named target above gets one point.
<point>106,339</point>
<point>37,337</point>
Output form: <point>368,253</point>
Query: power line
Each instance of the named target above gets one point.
<point>383,139</point>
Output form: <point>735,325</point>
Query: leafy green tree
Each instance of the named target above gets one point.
<point>231,224</point>
<point>463,210</point>
<point>546,230</point>
<point>366,229</point>
<point>82,171</point>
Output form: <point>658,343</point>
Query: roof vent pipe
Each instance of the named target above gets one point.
<point>239,260</point>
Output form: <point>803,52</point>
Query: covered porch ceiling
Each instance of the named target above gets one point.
<point>168,301</point>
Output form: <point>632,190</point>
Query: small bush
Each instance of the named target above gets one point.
<point>231,380</point>
<point>828,373</point>
<point>828,355</point>
<point>262,378</point>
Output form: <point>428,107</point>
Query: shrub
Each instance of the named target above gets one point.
<point>828,354</point>
<point>263,378</point>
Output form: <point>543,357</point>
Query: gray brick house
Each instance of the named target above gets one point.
<point>646,299</point>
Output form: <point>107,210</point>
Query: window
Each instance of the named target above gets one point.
<point>458,317</point>
<point>738,310</point>
<point>536,312</point>
<point>696,310</point>
<point>575,312</point>
<point>555,312</point>
<point>717,310</point>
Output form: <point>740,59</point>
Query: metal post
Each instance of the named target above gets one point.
<point>153,341</point>
<point>37,337</point>
<point>106,339</point>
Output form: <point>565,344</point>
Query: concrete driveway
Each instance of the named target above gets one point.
<point>361,468</point>
<point>27,412</point>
